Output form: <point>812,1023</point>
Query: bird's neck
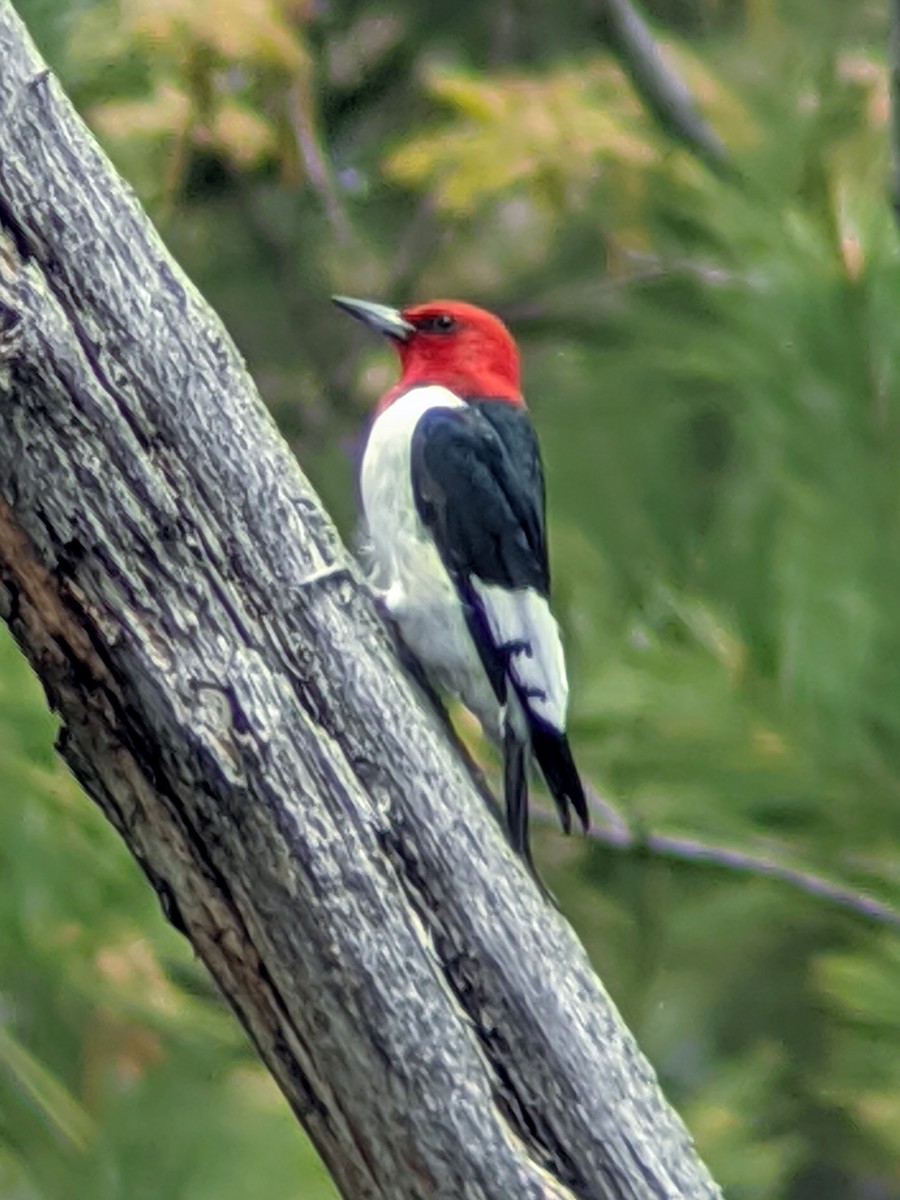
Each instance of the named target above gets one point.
<point>485,385</point>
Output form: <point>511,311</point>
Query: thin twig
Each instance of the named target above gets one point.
<point>616,830</point>
<point>692,850</point>
<point>315,161</point>
<point>611,828</point>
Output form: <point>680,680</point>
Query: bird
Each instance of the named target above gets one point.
<point>454,522</point>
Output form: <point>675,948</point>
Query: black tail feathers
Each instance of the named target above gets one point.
<point>515,791</point>
<point>551,749</point>
<point>515,787</point>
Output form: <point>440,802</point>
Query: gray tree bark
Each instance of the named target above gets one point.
<point>229,697</point>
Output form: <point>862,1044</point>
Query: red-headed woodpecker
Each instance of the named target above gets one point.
<point>453,498</point>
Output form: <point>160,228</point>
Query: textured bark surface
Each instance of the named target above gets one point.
<point>230,699</point>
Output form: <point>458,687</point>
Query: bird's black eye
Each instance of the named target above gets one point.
<point>441,323</point>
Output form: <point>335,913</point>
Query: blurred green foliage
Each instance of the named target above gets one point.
<point>713,367</point>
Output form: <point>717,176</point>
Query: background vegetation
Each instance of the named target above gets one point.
<point>711,357</point>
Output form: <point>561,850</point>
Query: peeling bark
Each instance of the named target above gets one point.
<point>230,699</point>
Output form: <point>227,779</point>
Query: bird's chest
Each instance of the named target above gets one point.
<point>418,591</point>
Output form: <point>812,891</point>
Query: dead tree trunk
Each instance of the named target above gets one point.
<point>231,701</point>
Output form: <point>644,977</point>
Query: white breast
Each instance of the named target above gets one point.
<point>407,568</point>
<point>402,548</point>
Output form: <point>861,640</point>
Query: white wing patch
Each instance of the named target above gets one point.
<point>520,621</point>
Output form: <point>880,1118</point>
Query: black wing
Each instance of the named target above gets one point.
<point>512,425</point>
<point>479,488</point>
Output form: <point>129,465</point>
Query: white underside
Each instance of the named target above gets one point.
<point>420,595</point>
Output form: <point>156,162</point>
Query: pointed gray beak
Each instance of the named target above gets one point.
<point>380,317</point>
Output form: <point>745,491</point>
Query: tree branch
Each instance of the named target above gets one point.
<point>610,827</point>
<point>314,158</point>
<point>231,701</point>
<point>894,67</point>
<point>664,92</point>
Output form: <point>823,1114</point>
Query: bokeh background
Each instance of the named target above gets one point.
<point>711,351</point>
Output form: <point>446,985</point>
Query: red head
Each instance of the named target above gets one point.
<point>464,348</point>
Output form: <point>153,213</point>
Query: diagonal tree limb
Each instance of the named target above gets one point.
<point>666,95</point>
<point>231,701</point>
